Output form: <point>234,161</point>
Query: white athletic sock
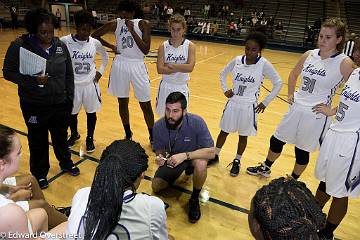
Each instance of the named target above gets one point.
<point>238,157</point>
<point>217,150</point>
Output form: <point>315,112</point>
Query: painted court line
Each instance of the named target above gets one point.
<point>207,59</point>
<point>62,172</point>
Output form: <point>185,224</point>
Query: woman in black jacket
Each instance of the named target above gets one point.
<point>46,97</point>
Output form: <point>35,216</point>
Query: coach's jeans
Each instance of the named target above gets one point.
<point>39,120</point>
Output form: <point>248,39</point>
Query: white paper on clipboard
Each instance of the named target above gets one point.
<point>31,63</point>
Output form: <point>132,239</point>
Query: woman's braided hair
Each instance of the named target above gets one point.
<point>286,209</point>
<point>121,163</point>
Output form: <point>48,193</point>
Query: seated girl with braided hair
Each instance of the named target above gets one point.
<point>111,208</point>
<point>285,209</point>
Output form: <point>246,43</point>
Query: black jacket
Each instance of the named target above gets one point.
<point>60,85</point>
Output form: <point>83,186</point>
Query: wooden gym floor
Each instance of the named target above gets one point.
<point>225,215</point>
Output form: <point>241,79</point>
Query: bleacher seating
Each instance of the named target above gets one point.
<point>294,15</point>
<point>4,14</point>
<point>352,9</point>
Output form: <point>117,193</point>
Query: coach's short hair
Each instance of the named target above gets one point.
<point>175,97</point>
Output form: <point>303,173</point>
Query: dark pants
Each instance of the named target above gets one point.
<point>59,21</point>
<point>14,22</point>
<point>39,120</point>
<point>170,174</point>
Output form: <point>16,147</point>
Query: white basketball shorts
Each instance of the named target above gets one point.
<point>338,164</point>
<point>125,70</point>
<point>87,95</point>
<point>302,127</point>
<point>239,116</point>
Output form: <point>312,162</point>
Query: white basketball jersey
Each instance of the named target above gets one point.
<point>319,79</point>
<point>247,79</point>
<point>177,55</point>
<point>142,217</point>
<point>347,117</point>
<point>125,42</point>
<point>83,55</point>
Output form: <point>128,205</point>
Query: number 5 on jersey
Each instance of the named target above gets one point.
<point>340,114</point>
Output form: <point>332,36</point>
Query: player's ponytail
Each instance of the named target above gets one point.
<point>340,29</point>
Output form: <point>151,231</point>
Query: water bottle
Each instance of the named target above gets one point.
<point>205,195</point>
<point>81,152</point>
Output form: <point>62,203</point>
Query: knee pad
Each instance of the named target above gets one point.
<point>322,187</point>
<point>302,157</point>
<point>276,145</point>
<point>91,116</point>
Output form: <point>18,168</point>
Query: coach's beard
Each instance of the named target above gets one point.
<point>173,126</point>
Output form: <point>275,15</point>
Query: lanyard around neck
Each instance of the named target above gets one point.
<point>171,145</point>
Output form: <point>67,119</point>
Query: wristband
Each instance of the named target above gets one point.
<point>187,156</point>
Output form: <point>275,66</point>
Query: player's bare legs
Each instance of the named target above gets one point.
<point>337,210</point>
<point>336,214</point>
<point>124,115</point>
<point>242,145</point>
<point>38,200</point>
<point>321,196</point>
<point>148,116</point>
<point>124,110</point>
<point>299,169</point>
<point>220,141</point>
<point>272,156</point>
<point>276,147</point>
<point>25,180</point>
<point>235,169</point>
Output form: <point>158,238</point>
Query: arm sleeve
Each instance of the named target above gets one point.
<point>204,139</point>
<point>158,220</point>
<point>11,68</point>
<point>270,72</point>
<point>104,56</point>
<point>224,73</point>
<point>69,75</point>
